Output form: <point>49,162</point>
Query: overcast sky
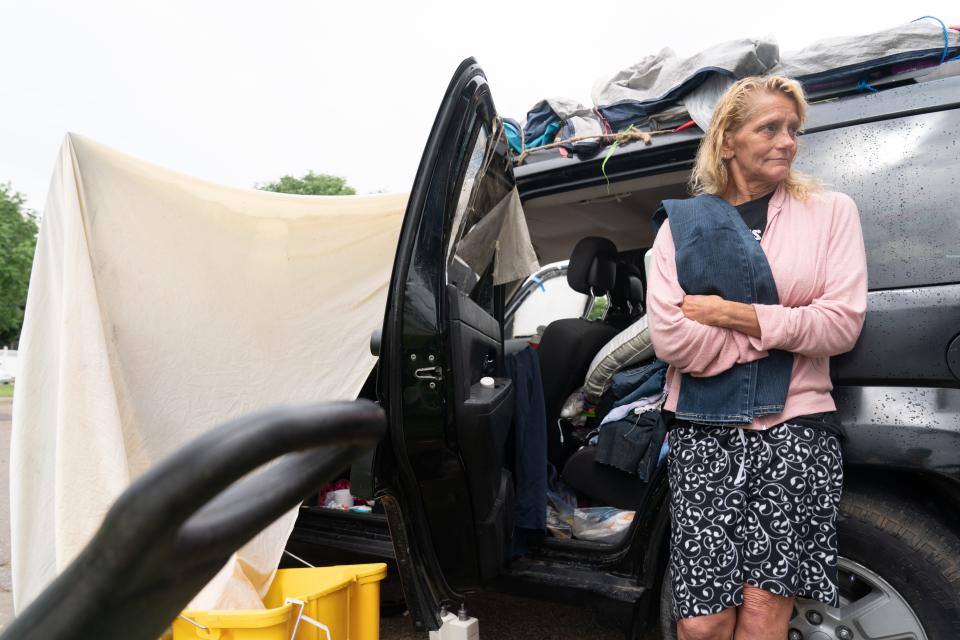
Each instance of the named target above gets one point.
<point>244,92</point>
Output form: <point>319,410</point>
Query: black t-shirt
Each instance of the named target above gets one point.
<point>754,214</point>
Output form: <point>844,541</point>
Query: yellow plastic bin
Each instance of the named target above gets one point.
<point>346,599</point>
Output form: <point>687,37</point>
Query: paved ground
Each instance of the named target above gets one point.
<point>511,618</point>
<point>501,617</point>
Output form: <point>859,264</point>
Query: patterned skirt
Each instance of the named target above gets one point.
<point>756,507</point>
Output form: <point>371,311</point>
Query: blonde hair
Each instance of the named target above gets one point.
<point>710,173</point>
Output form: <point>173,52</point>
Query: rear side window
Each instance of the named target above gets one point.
<point>552,299</point>
<point>902,173</point>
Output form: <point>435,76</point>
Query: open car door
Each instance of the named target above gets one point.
<point>443,481</point>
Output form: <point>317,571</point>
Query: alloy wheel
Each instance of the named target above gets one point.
<point>870,609</point>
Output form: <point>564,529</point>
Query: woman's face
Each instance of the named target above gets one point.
<point>761,151</point>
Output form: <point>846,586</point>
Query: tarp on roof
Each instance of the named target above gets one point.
<point>660,82</point>
<point>846,58</point>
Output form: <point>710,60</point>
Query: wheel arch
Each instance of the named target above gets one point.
<point>931,491</point>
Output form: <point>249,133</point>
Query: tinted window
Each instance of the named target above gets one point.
<point>487,180</point>
<point>902,174</point>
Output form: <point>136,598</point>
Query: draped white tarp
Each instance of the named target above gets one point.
<point>161,305</point>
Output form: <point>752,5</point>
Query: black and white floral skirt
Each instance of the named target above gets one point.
<point>767,518</point>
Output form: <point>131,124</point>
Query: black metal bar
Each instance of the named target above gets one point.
<point>169,533</point>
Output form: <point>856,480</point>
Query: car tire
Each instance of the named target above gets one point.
<point>889,549</point>
<point>909,549</point>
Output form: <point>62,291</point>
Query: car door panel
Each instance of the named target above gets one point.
<point>483,419</point>
<point>442,475</point>
<point>905,337</point>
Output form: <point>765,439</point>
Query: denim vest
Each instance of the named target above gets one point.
<point>718,255</point>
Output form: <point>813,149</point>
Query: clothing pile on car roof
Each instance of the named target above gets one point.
<point>662,92</point>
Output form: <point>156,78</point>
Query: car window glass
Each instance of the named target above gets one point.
<point>902,173</point>
<point>471,251</point>
<point>477,155</point>
<point>551,300</point>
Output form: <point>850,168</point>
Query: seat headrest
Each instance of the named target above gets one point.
<point>629,285</point>
<point>647,259</point>
<point>593,264</point>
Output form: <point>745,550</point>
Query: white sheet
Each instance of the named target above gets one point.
<point>161,305</point>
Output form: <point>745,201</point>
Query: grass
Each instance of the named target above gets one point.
<point>599,308</point>
<point>6,390</point>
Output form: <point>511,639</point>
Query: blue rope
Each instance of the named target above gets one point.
<point>946,40</point>
<point>863,85</point>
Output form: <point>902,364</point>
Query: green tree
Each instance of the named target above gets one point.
<point>312,184</point>
<point>18,239</point>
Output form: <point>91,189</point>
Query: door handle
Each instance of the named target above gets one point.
<point>429,373</point>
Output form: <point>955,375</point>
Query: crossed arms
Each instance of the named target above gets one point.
<point>706,335</point>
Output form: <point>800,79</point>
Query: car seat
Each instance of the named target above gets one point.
<point>606,484</point>
<point>626,296</point>
<point>628,290</point>
<point>568,345</point>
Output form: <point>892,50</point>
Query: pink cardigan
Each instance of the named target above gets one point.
<point>816,253</point>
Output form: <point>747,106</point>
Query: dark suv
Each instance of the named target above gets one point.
<point>444,477</point>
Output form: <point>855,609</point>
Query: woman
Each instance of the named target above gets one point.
<point>754,504</point>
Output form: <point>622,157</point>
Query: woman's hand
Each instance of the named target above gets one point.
<point>717,312</point>
<point>704,309</point>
